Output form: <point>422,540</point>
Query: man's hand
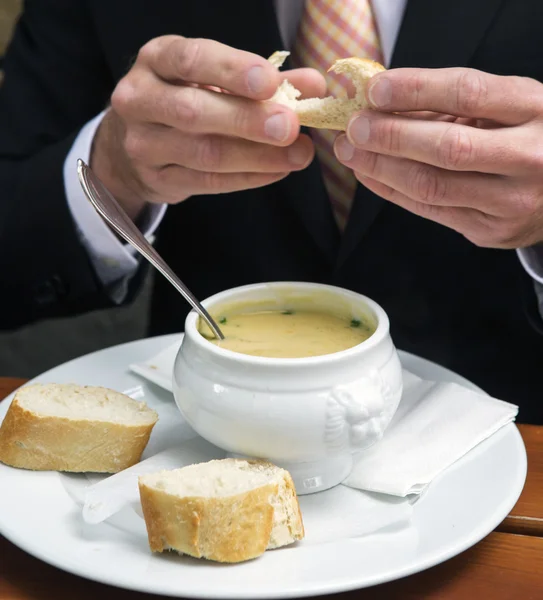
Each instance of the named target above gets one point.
<point>188,118</point>
<point>474,163</point>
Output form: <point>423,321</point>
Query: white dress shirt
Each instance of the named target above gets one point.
<point>115,262</point>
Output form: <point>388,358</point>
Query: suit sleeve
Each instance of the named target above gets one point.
<point>55,80</point>
<point>532,261</point>
<point>114,261</point>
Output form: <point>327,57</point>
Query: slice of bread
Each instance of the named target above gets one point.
<point>228,510</point>
<point>329,112</point>
<point>67,427</point>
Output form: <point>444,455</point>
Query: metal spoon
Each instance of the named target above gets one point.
<point>108,207</point>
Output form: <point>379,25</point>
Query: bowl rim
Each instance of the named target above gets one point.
<point>381,331</point>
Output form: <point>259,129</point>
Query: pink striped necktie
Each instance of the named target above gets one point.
<point>328,30</point>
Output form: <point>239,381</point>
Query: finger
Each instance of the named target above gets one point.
<point>428,115</point>
<point>433,186</point>
<point>158,146</point>
<point>309,82</point>
<point>208,62</point>
<point>452,146</point>
<point>144,98</point>
<point>173,183</point>
<point>466,221</point>
<point>458,91</point>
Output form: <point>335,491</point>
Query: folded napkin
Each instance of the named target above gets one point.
<point>435,425</point>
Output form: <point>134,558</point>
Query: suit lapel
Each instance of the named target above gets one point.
<point>432,35</point>
<point>306,195</point>
<point>366,206</point>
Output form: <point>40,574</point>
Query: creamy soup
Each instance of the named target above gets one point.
<point>288,334</point>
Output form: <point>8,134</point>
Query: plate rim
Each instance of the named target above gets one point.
<point>348,583</point>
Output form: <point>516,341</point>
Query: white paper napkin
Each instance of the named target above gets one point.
<point>436,424</point>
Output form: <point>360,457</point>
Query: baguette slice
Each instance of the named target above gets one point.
<point>329,112</point>
<point>54,427</point>
<point>228,510</point>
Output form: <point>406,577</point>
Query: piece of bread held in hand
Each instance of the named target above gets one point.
<point>228,510</point>
<point>68,427</point>
<point>329,112</point>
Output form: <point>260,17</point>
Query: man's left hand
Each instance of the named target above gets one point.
<point>457,146</point>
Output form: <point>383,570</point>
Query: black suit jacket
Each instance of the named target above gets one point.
<point>468,308</point>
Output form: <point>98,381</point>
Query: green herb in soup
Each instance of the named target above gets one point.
<point>289,334</point>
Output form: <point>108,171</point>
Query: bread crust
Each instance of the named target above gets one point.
<point>227,529</point>
<point>295,527</point>
<point>49,443</point>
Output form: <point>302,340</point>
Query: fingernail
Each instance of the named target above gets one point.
<point>359,131</point>
<point>256,79</point>
<point>298,155</point>
<point>343,148</point>
<point>380,93</point>
<point>277,127</point>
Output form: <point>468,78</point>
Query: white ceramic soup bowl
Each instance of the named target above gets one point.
<point>307,415</point>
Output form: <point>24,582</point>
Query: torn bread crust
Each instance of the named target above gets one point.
<point>329,112</point>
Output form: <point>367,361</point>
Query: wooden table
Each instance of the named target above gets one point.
<point>507,564</point>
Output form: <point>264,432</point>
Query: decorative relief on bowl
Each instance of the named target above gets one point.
<point>358,413</point>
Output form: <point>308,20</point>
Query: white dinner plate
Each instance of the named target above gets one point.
<point>40,515</point>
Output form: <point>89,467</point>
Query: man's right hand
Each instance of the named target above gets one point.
<point>188,119</point>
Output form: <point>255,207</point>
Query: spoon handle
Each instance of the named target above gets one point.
<point>110,210</point>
